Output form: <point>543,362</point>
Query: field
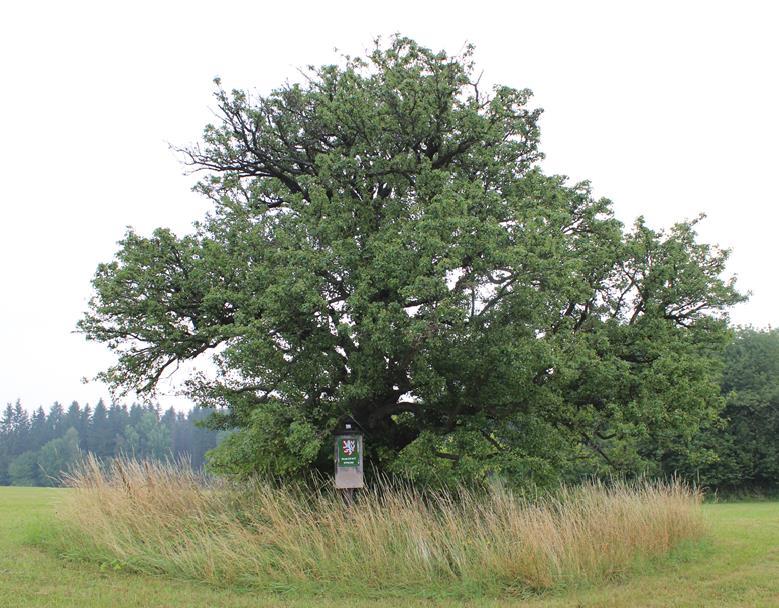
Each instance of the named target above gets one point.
<point>737,565</point>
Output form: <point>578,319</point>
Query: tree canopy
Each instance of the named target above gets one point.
<point>383,246</point>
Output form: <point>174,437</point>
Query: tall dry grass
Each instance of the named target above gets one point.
<point>164,518</point>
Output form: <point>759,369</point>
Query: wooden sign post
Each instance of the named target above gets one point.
<point>348,462</point>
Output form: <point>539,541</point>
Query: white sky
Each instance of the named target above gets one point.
<point>670,109</point>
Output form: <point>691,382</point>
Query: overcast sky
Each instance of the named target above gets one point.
<point>670,109</point>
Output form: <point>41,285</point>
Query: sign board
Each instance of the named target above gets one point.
<point>348,461</point>
<point>348,452</point>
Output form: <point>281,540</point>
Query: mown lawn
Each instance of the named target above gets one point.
<point>737,565</point>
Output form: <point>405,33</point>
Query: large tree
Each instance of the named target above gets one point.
<point>384,247</point>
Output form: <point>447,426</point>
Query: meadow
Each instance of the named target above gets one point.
<point>735,564</point>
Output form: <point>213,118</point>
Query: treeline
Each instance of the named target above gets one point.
<point>739,452</point>
<point>35,448</point>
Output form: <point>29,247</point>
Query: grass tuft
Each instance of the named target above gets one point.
<point>165,519</point>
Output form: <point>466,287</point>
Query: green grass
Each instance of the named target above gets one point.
<point>738,565</point>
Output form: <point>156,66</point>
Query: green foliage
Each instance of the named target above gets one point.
<point>36,450</point>
<point>267,446</point>
<point>384,247</point>
<point>152,438</point>
<point>23,470</point>
<point>741,448</point>
<point>56,456</point>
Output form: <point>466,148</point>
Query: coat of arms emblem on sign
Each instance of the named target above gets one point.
<point>349,446</point>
